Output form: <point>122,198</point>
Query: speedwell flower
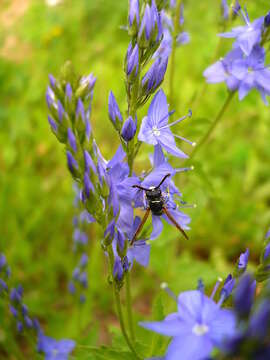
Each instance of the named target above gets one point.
<point>197,327</point>
<point>246,36</point>
<point>155,128</point>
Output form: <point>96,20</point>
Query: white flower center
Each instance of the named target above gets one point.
<point>200,329</point>
<point>155,131</point>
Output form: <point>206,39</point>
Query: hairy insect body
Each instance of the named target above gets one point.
<point>155,201</point>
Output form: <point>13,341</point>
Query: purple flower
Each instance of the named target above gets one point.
<point>84,260</point>
<point>246,36</point>
<point>132,60</point>
<point>244,295</point>
<point>227,288</point>
<point>155,128</point>
<point>53,349</point>
<point>140,250</point>
<point>3,261</point>
<point>183,38</point>
<point>155,75</point>
<point>243,261</point>
<point>222,70</point>
<point>80,112</point>
<point>118,268</point>
<point>89,163</point>
<point>72,163</point>
<point>72,140</point>
<point>88,186</point>
<point>251,73</point>
<point>3,286</point>
<point>114,111</point>
<point>172,4</point>
<point>129,129</point>
<point>134,13</point>
<point>146,23</point>
<point>53,124</point>
<point>52,80</point>
<point>225,9</point>
<point>197,327</point>
<point>260,321</point>
<point>165,47</point>
<point>267,20</point>
<point>266,252</point>
<point>68,91</point>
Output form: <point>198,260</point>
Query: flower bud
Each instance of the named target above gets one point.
<point>244,295</point>
<point>118,268</point>
<point>72,140</point>
<point>242,264</point>
<point>87,84</point>
<point>72,164</point>
<point>154,76</point>
<point>134,16</point>
<point>227,288</point>
<point>129,129</point>
<point>114,112</point>
<point>132,61</point>
<point>267,20</point>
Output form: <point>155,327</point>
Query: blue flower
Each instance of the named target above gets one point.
<point>129,129</point>
<point>251,73</point>
<point>246,36</point>
<point>134,13</point>
<point>53,349</point>
<point>155,128</point>
<point>155,75</point>
<point>243,261</point>
<point>222,70</point>
<point>197,327</point>
<point>132,60</point>
<point>114,111</point>
<point>225,9</point>
<point>244,295</point>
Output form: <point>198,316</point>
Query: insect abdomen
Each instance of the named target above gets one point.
<point>156,206</point>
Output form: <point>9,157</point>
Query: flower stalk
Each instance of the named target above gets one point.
<point>213,125</point>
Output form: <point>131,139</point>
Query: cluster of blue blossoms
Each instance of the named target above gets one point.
<point>243,68</point>
<point>51,348</point>
<point>200,325</point>
<point>106,190</point>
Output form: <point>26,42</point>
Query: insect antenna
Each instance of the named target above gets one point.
<point>162,181</point>
<point>140,187</point>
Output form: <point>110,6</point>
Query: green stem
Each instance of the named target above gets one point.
<point>214,124</point>
<point>119,306</point>
<point>129,308</point>
<point>173,53</point>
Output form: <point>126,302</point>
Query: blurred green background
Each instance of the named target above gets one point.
<point>230,183</point>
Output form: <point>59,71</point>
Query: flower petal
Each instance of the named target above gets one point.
<point>158,110</point>
<point>189,347</point>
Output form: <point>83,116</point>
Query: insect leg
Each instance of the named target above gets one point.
<point>140,226</point>
<point>171,218</point>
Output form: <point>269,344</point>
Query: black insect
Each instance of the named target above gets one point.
<point>156,204</point>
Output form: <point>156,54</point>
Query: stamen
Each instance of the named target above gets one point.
<point>188,206</point>
<point>219,281</point>
<point>200,329</point>
<point>164,286</point>
<point>186,140</point>
<point>185,169</point>
<point>177,121</point>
